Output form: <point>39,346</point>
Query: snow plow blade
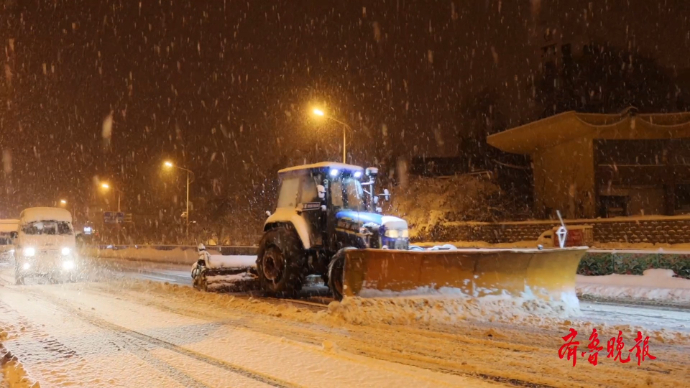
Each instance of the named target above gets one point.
<point>546,274</point>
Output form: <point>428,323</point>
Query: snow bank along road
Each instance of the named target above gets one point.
<point>120,331</point>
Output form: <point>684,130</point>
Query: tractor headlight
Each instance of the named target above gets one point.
<point>65,251</point>
<point>334,172</point>
<point>29,251</point>
<point>394,233</point>
<point>68,265</point>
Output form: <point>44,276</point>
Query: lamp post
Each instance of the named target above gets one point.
<point>169,164</point>
<point>119,192</point>
<point>320,113</point>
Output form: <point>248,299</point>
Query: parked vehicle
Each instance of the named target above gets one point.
<point>8,233</point>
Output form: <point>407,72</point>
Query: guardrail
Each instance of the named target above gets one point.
<point>170,254</point>
<point>222,249</point>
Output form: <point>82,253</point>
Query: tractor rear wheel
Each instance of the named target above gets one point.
<point>281,262</point>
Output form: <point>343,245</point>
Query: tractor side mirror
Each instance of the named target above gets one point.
<point>322,191</point>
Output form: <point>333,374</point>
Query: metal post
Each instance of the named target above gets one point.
<point>187,232</point>
<point>344,145</point>
<point>118,201</point>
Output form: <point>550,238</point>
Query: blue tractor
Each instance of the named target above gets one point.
<point>323,209</point>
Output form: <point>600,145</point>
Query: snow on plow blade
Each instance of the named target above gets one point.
<point>547,274</point>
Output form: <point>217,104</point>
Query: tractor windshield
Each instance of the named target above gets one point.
<point>346,193</point>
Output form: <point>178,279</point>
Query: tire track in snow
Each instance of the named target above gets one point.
<point>12,366</point>
<point>374,352</point>
<point>123,331</point>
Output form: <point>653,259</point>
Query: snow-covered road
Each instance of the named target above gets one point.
<point>119,330</point>
<point>105,334</point>
<point>656,317</point>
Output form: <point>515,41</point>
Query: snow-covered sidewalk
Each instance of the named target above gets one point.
<point>656,285</point>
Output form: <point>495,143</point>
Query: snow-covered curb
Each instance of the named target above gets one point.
<point>657,285</point>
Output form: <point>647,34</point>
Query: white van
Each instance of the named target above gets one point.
<point>45,245</point>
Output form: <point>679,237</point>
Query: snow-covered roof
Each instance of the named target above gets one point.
<point>567,126</point>
<point>7,226</point>
<point>33,214</point>
<point>339,166</point>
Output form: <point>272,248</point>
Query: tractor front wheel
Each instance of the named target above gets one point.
<point>281,262</point>
<point>336,272</point>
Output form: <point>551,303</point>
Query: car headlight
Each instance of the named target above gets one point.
<point>68,265</point>
<point>65,251</point>
<point>405,233</point>
<point>29,251</point>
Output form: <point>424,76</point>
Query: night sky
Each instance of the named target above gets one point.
<point>225,87</point>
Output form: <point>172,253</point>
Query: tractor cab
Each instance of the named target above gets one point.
<point>333,205</point>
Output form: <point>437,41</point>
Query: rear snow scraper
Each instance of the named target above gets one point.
<point>328,222</point>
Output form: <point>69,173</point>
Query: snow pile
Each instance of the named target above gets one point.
<point>12,372</point>
<point>479,244</point>
<point>239,282</point>
<point>231,261</point>
<point>437,310</point>
<point>655,285</point>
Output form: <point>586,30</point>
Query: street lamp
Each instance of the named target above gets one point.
<point>168,164</point>
<point>320,113</point>
<point>63,202</point>
<point>107,187</point>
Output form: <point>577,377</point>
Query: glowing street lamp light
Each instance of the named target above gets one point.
<point>107,187</point>
<point>63,202</point>
<point>320,113</point>
<point>168,164</point>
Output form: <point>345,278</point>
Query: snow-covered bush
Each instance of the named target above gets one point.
<point>427,202</point>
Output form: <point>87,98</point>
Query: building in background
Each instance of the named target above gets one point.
<point>604,165</point>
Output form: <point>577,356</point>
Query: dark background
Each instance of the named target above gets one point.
<point>224,88</point>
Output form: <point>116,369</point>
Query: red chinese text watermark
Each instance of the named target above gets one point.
<point>614,348</point>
